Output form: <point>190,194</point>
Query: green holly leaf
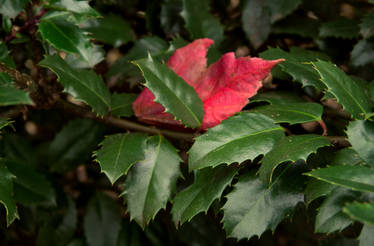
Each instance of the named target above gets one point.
<point>149,183</point>
<point>330,217</point>
<point>343,28</point>
<point>297,64</point>
<point>66,36</point>
<point>208,186</point>
<point>5,122</point>
<point>361,136</point>
<point>292,113</point>
<point>297,25</point>
<point>346,156</point>
<point>84,85</point>
<point>122,104</point>
<point>4,56</point>
<point>111,29</point>
<point>256,21</point>
<point>367,25</point>
<point>367,236</point>
<point>102,222</point>
<point>282,8</point>
<point>359,178</point>
<point>347,92</point>
<point>250,134</point>
<point>9,95</point>
<point>119,152</point>
<point>290,149</point>
<point>316,189</point>
<point>11,8</point>
<point>172,92</point>
<point>74,6</point>
<point>200,22</point>
<point>362,53</point>
<point>6,194</point>
<point>253,207</point>
<point>363,212</point>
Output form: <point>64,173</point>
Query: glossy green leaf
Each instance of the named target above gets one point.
<point>102,221</point>
<point>5,122</point>
<point>30,186</point>
<point>363,212</point>
<point>11,8</point>
<point>253,208</point>
<point>208,186</point>
<point>59,229</point>
<point>316,189</point>
<point>111,29</point>
<point>292,113</point>
<point>297,64</point>
<point>361,136</point>
<point>346,156</point>
<point>330,217</point>
<point>119,152</point>
<point>343,28</point>
<point>66,36</point>
<point>4,56</point>
<point>367,236</point>
<point>172,92</point>
<point>359,178</point>
<point>149,183</point>
<point>290,149</point>
<point>84,85</point>
<point>281,8</point>
<point>74,144</point>
<point>249,134</point>
<point>200,22</point>
<point>351,96</point>
<point>75,6</point>
<point>367,25</point>
<point>9,95</point>
<point>256,21</point>
<point>122,104</point>
<point>362,53</point>
<point>6,194</point>
<point>297,25</point>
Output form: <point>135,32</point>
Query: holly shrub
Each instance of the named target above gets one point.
<point>186,122</point>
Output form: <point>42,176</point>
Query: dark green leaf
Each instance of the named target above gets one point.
<point>367,236</point>
<point>81,7</point>
<point>4,56</point>
<point>292,113</point>
<point>363,212</point>
<point>367,25</point>
<point>347,92</point>
<point>10,95</point>
<point>77,242</point>
<point>362,53</point>
<point>84,85</point>
<point>361,136</point>
<point>6,194</point>
<point>282,8</point>
<point>291,148</point>
<point>30,186</point>
<point>359,178</point>
<point>208,186</point>
<point>330,217</point>
<point>59,230</point>
<point>346,156</point>
<point>5,122</point>
<point>343,28</point>
<point>131,235</point>
<point>74,143</point>
<point>102,222</point>
<point>199,22</point>
<point>122,104</point>
<point>111,29</point>
<point>256,21</point>
<point>119,152</point>
<point>316,188</point>
<point>249,134</point>
<point>170,16</point>
<point>172,92</point>
<point>303,26</point>
<point>149,183</point>
<point>252,207</point>
<point>277,98</point>
<point>68,37</point>
<point>11,8</point>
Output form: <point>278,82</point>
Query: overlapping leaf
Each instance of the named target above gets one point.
<point>359,178</point>
<point>84,85</point>
<point>361,136</point>
<point>367,25</point>
<point>11,8</point>
<point>362,53</point>
<point>290,149</point>
<point>9,95</point>
<point>6,194</point>
<point>74,6</point>
<point>363,212</point>
<point>149,183</point>
<point>122,104</point>
<point>280,9</point>
<point>4,122</point>
<point>343,28</point>
<point>250,134</point>
<point>208,186</point>
<point>119,152</point>
<point>349,94</point>
<point>297,25</point>
<point>253,207</point>
<point>4,56</point>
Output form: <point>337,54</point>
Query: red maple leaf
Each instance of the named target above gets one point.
<point>224,87</point>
